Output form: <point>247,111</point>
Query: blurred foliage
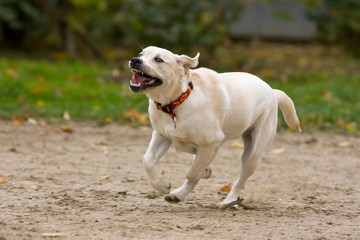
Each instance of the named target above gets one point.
<point>179,25</point>
<point>125,22</point>
<point>18,13</point>
<point>338,22</point>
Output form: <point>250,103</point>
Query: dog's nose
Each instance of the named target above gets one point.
<point>135,61</point>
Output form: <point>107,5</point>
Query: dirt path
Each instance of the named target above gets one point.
<point>90,184</point>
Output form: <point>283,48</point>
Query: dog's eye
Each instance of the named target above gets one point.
<point>140,55</point>
<point>158,60</point>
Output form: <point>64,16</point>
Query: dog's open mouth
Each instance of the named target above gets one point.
<point>141,81</point>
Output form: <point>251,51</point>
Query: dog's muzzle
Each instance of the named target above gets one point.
<point>140,80</point>
<point>135,62</point>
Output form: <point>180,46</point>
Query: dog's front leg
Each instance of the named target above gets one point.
<point>157,147</point>
<point>199,169</point>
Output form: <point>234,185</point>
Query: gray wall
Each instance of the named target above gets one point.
<point>284,20</point>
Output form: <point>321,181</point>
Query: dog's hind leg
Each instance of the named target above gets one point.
<point>199,169</point>
<point>158,146</point>
<point>256,141</point>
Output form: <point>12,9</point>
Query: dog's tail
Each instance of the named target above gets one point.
<point>288,108</point>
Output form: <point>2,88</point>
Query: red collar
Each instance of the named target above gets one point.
<point>171,106</point>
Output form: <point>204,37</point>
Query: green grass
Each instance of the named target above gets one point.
<point>331,105</point>
<point>43,89</point>
<point>325,87</point>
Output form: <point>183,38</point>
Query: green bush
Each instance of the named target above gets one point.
<point>339,22</point>
<point>129,23</point>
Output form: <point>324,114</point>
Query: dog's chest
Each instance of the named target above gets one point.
<point>187,147</point>
<point>181,136</point>
<point>182,140</point>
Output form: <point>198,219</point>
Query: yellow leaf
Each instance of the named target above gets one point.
<point>11,73</point>
<point>135,116</point>
<point>237,144</point>
<point>16,122</point>
<point>350,127</point>
<point>108,120</point>
<point>279,151</point>
<point>40,103</point>
<point>3,181</point>
<point>226,188</point>
<point>66,128</point>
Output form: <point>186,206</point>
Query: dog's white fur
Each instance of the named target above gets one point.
<point>221,107</point>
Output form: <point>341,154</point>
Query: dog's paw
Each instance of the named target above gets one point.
<point>162,185</point>
<point>172,198</point>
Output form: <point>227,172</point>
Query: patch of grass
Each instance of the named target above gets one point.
<point>324,84</point>
<point>43,89</point>
<point>333,105</point>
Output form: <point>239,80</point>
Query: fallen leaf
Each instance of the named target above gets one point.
<point>226,188</point>
<point>3,181</point>
<point>303,61</point>
<point>343,144</point>
<point>11,73</point>
<point>106,177</point>
<point>341,122</point>
<point>16,122</point>
<point>52,234</point>
<point>32,121</point>
<point>66,128</point>
<point>105,149</point>
<point>135,116</point>
<point>279,151</point>
<point>40,103</point>
<point>47,133</point>
<point>327,95</point>
<point>350,127</point>
<point>115,73</point>
<point>67,116</point>
<point>38,89</point>
<point>108,120</point>
<point>237,144</point>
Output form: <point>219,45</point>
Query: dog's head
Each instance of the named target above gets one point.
<point>157,68</point>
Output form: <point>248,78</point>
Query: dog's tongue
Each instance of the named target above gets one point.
<point>137,78</point>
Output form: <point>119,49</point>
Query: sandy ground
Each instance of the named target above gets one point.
<point>90,184</point>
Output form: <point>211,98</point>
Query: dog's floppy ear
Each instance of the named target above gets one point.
<point>188,62</point>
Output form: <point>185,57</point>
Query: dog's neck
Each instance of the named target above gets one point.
<point>171,94</point>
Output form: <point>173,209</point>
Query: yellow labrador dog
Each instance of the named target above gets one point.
<point>198,110</point>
